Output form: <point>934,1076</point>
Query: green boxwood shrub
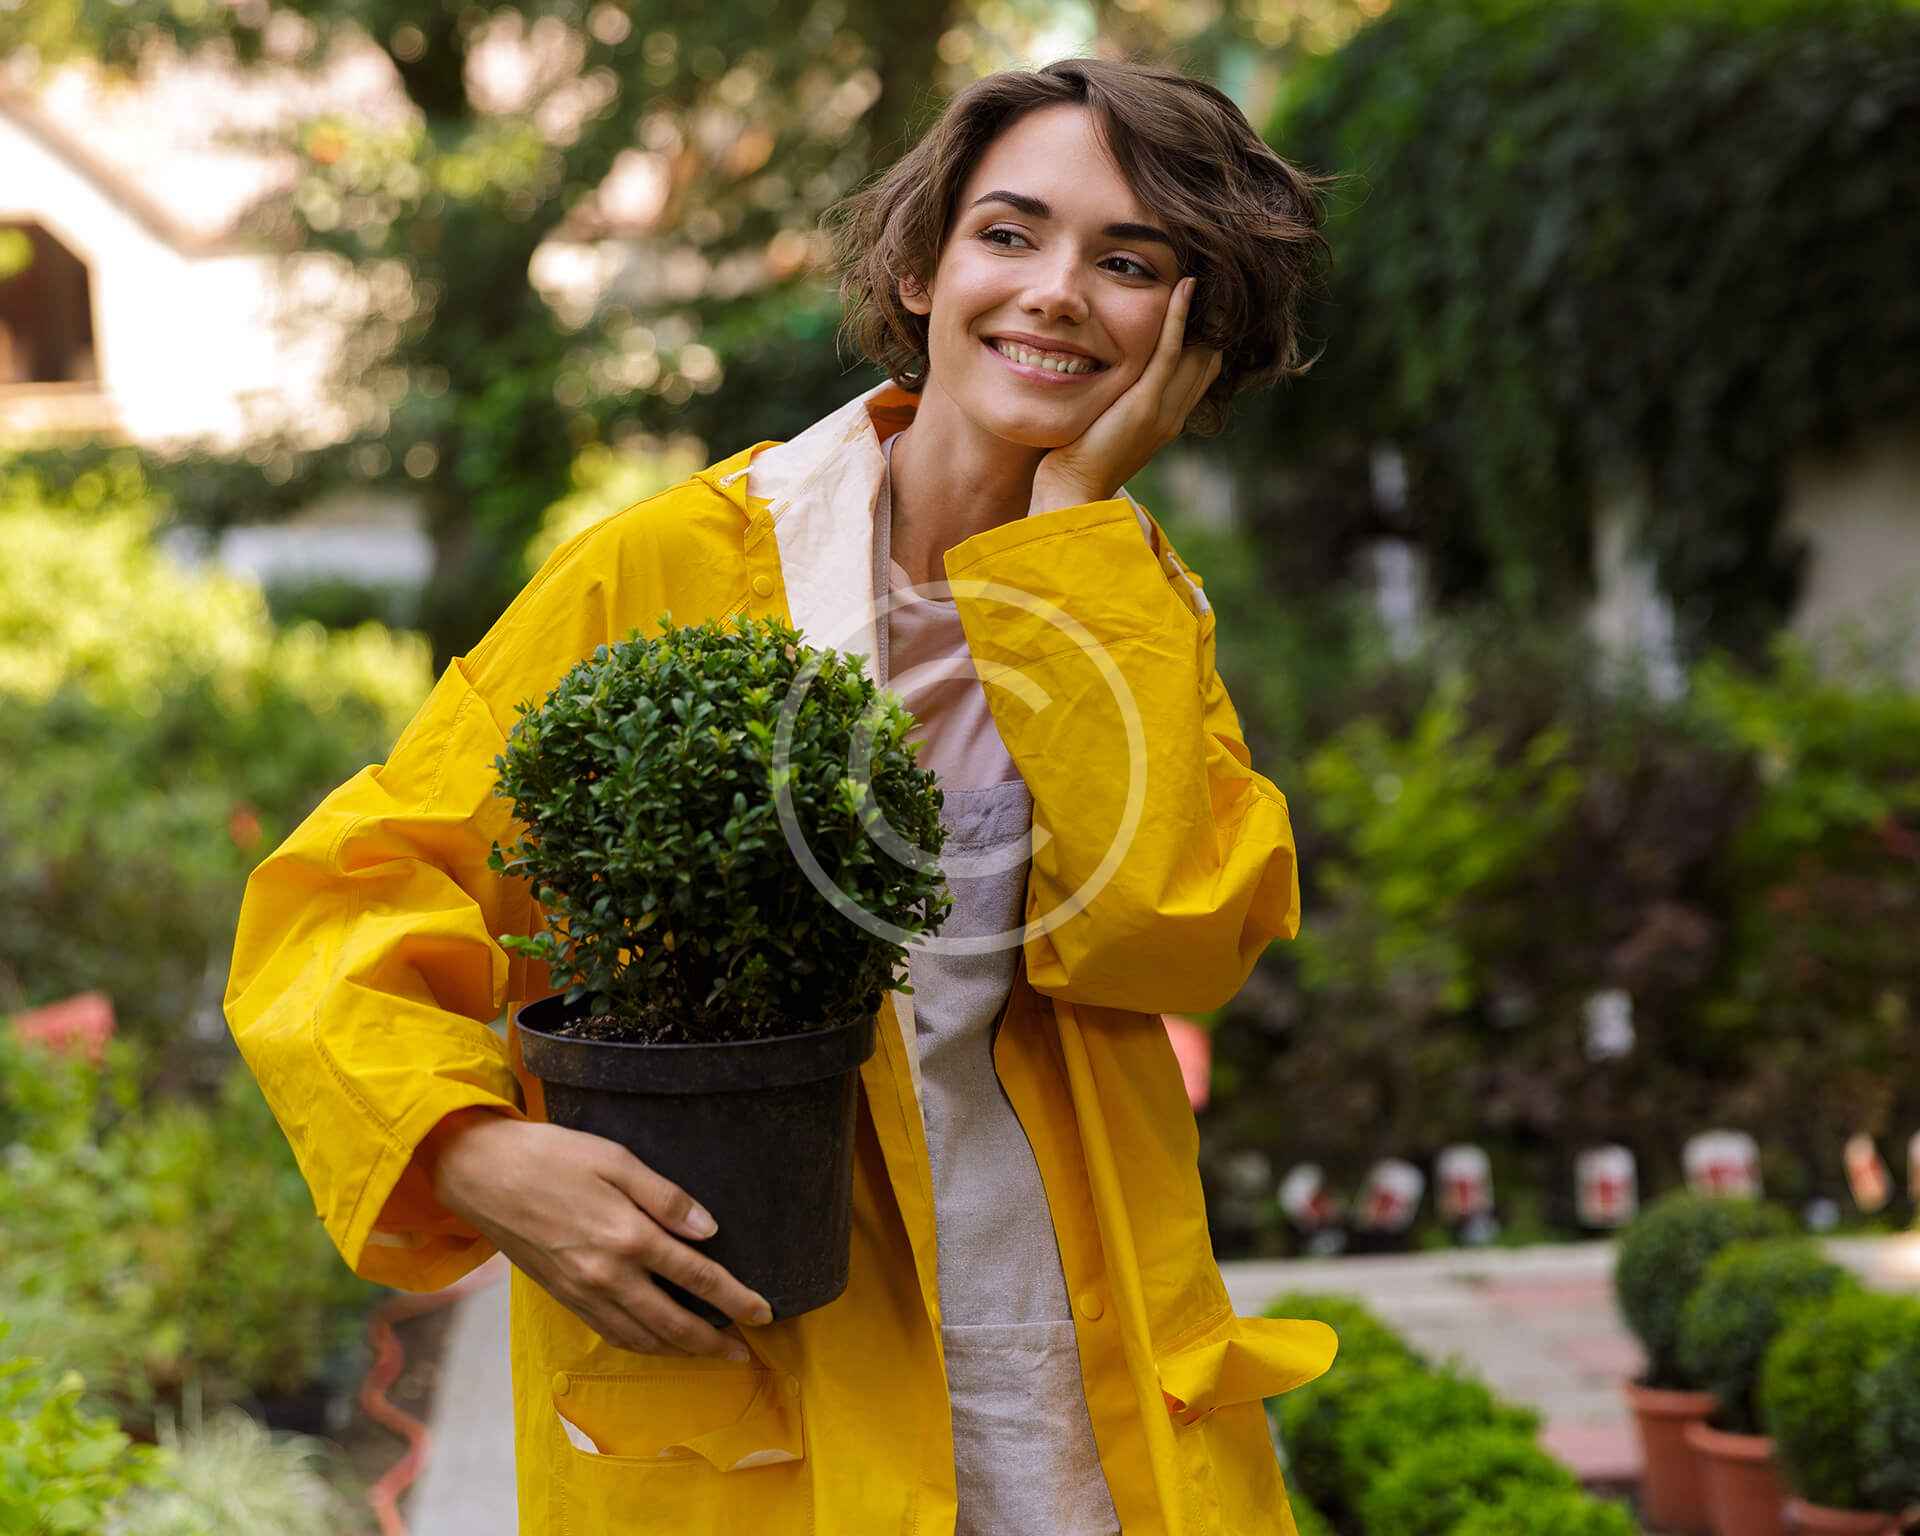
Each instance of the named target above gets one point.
<point>1662,1257</point>
<point>1312,1418</point>
<point>1812,1392</point>
<point>1434,1486</point>
<point>1314,1421</point>
<point>1750,1292</point>
<point>652,780</point>
<point>1890,1418</point>
<point>1405,1412</point>
<point>1532,1511</point>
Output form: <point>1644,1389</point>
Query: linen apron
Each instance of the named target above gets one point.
<point>1024,1454</point>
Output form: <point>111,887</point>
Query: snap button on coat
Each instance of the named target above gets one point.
<point>763,585</point>
<point>1090,1304</point>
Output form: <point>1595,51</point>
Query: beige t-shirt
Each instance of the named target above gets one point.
<point>929,666</point>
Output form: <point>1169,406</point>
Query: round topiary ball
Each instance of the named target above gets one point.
<point>701,813</point>
<point>1890,1418</point>
<point>1812,1398</point>
<point>1748,1294</point>
<point>1661,1258</point>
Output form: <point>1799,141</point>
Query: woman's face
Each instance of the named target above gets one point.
<point>1048,245</point>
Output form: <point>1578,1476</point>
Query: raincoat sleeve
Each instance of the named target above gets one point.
<point>1163,863</point>
<point>366,967</point>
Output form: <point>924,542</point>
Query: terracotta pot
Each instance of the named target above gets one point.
<point>1745,1496</point>
<point>1823,1520</point>
<point>1671,1496</point>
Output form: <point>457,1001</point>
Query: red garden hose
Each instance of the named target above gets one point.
<point>388,1358</point>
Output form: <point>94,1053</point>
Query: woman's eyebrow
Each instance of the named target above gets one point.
<point>1034,208</point>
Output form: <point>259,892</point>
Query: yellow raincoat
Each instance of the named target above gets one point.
<point>366,967</point>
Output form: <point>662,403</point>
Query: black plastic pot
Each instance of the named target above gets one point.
<point>760,1132</point>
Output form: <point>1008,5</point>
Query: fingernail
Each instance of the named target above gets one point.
<point>761,1315</point>
<point>700,1223</point>
<point>738,1354</point>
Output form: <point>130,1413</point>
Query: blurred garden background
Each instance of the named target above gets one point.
<point>1573,597</point>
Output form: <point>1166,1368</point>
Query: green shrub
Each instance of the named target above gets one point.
<point>659,778</point>
<point>1406,1412</point>
<point>1462,818</point>
<point>1662,1257</point>
<point>1530,1511</point>
<point>1311,1418</point>
<point>162,735</point>
<point>1811,1392</point>
<point>152,1248</point>
<point>1750,1292</point>
<point>1430,1489</point>
<point>62,1465</point>
<point>1313,1422</point>
<point>1890,1418</point>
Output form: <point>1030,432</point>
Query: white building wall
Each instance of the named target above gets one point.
<point>184,340</point>
<point>1859,514</point>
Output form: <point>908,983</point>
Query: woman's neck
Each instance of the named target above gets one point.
<point>952,480</point>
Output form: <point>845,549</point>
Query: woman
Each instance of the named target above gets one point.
<point>1035,1337</point>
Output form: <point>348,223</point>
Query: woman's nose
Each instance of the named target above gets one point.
<point>1057,293</point>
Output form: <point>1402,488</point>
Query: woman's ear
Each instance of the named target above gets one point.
<point>914,297</point>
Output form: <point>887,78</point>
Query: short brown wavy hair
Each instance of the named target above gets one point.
<point>1243,220</point>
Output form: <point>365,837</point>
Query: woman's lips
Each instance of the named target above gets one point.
<point>1041,375</point>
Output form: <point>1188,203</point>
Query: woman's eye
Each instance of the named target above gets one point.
<point>1136,268</point>
<point>988,234</point>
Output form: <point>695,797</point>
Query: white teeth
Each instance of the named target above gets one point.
<point>1053,361</point>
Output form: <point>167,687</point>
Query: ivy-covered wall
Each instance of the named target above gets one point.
<point>1580,238</point>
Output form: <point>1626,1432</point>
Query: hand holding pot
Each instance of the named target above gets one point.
<point>592,1224</point>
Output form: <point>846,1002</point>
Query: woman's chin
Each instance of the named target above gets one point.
<point>1031,428</point>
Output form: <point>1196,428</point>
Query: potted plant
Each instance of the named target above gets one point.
<point>701,814</point>
<point>1661,1258</point>
<point>1813,1404</point>
<point>1748,1294</point>
<point>1890,1422</point>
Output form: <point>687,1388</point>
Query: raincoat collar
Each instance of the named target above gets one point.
<point>817,494</point>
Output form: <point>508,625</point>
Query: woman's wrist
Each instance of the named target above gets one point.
<point>1051,494</point>
<point>434,1152</point>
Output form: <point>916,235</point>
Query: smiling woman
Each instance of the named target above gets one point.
<point>1076,265</point>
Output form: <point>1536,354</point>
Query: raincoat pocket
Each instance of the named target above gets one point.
<point>679,1450</point>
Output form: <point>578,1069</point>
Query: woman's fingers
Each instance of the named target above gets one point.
<point>583,1217</point>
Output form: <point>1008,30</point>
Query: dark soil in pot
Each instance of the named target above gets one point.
<point>760,1132</point>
